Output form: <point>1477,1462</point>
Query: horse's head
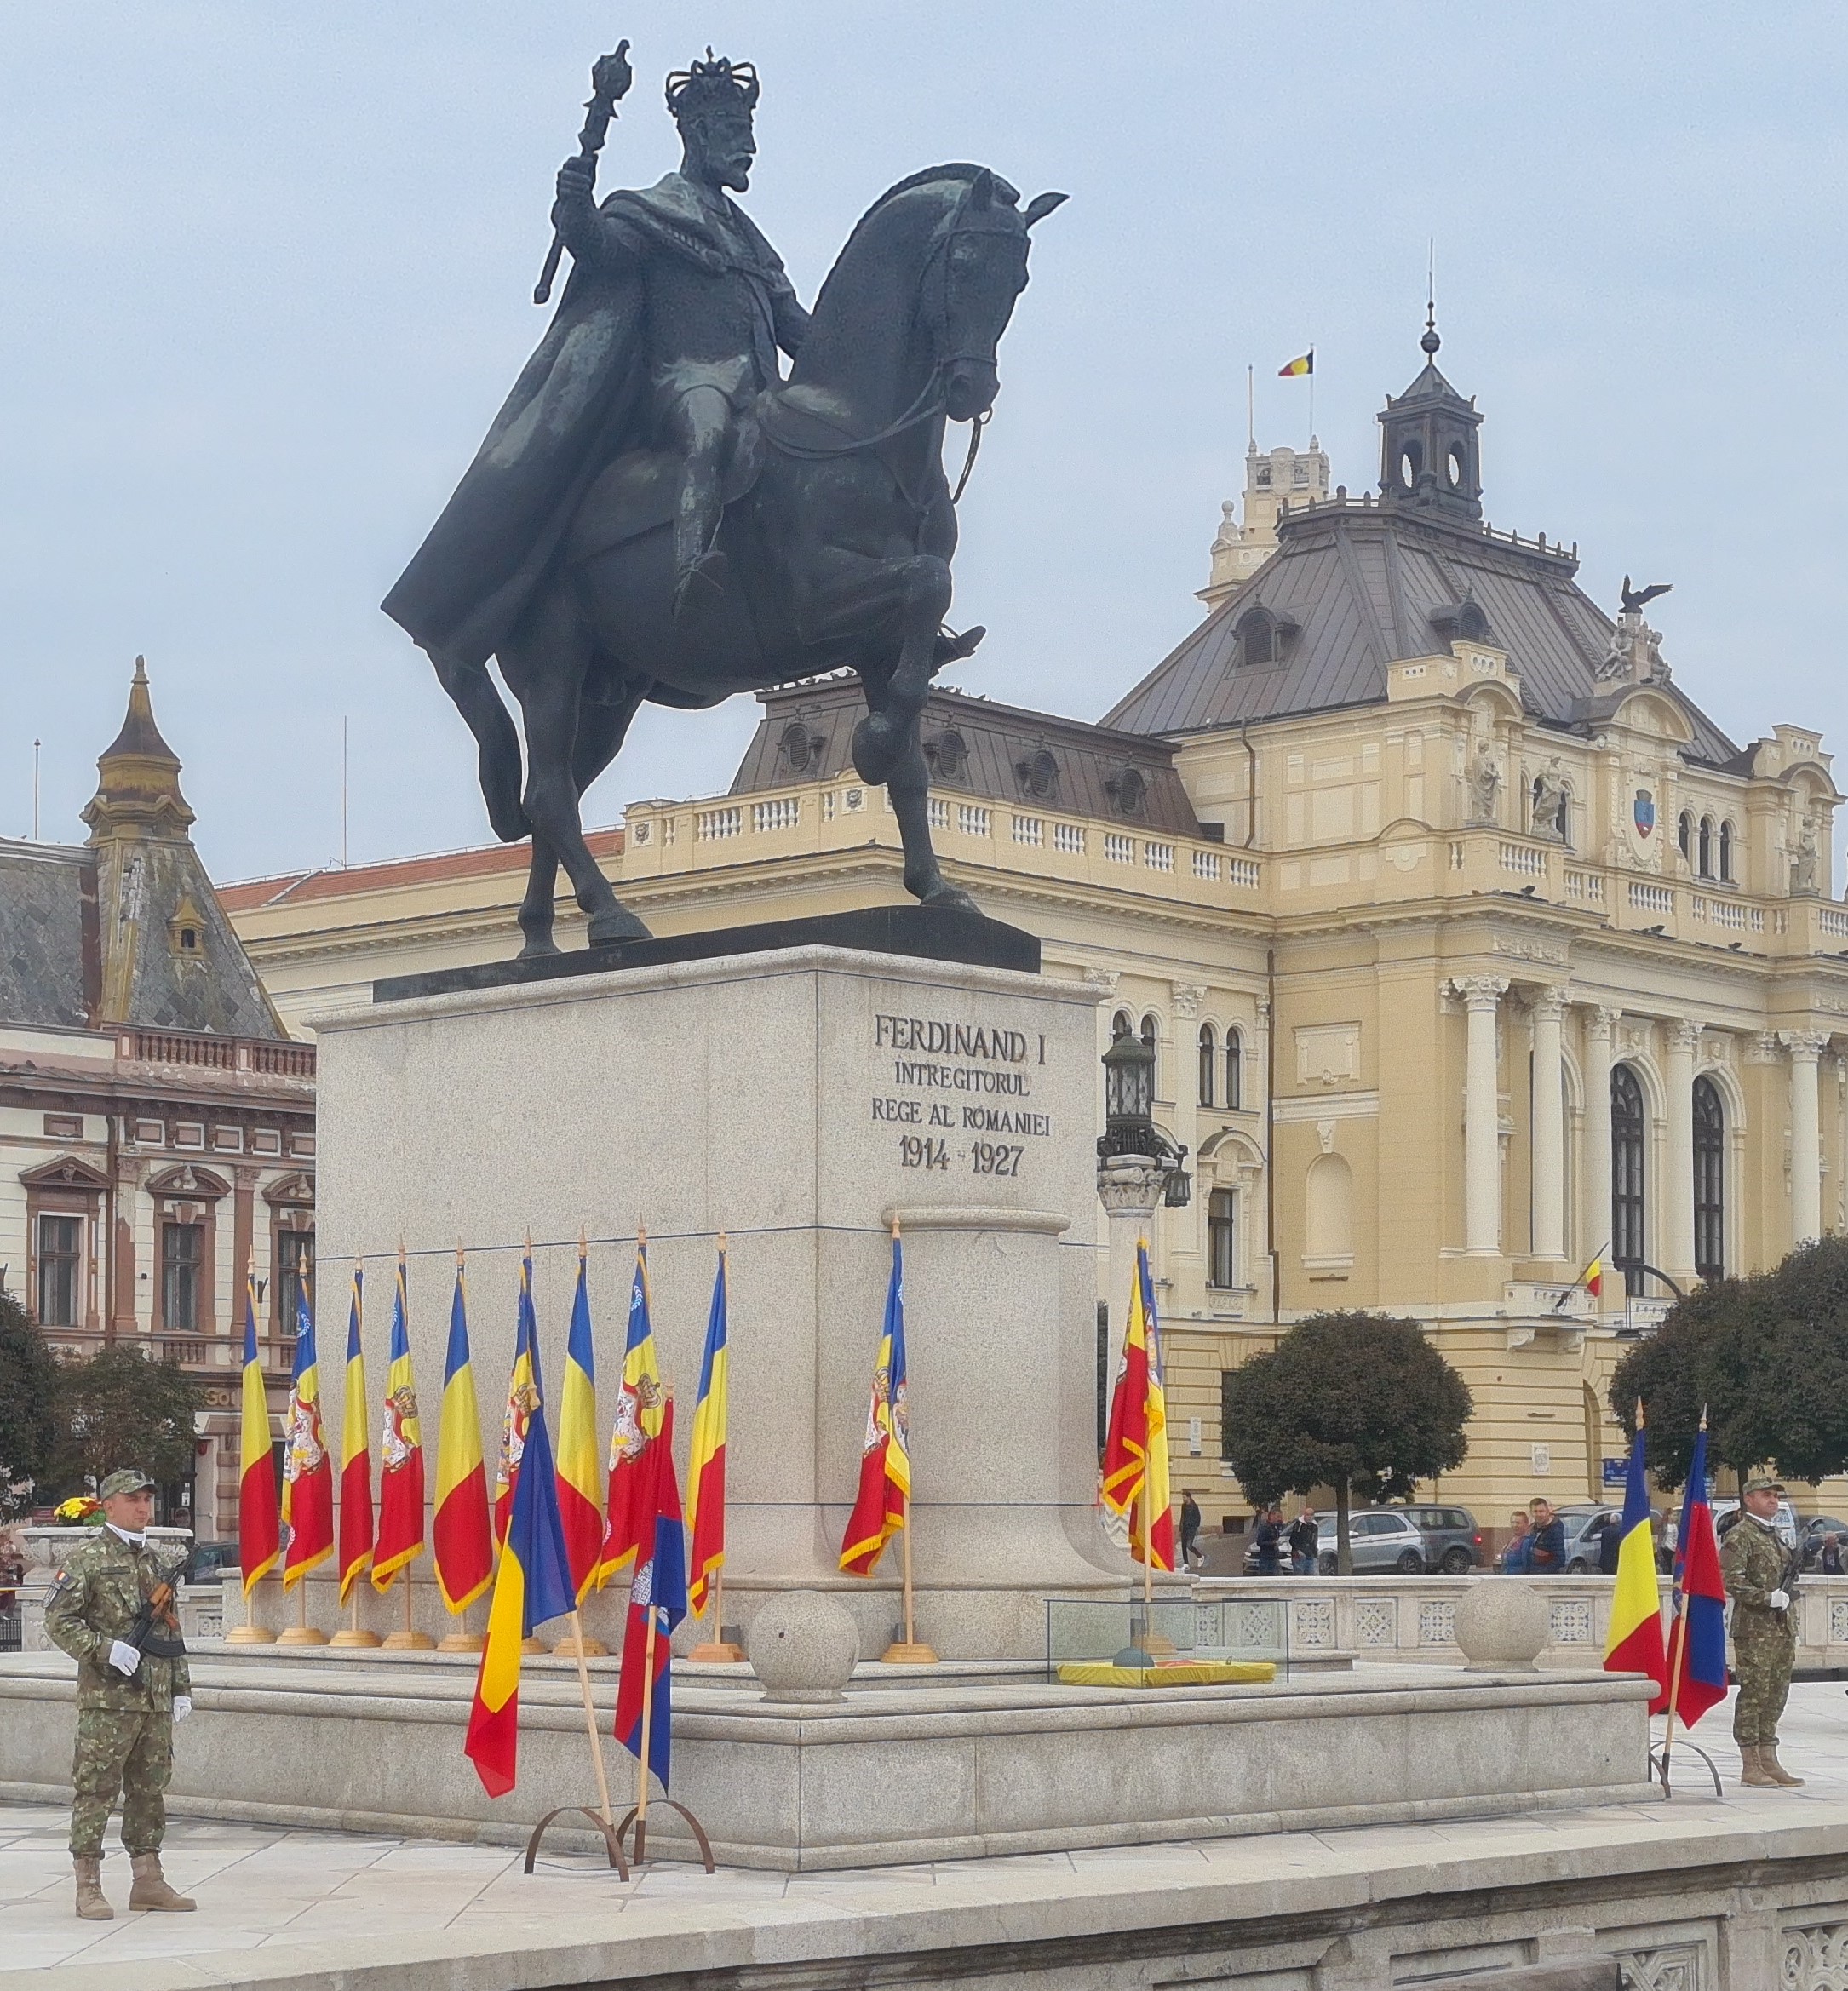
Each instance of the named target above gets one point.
<point>976,266</point>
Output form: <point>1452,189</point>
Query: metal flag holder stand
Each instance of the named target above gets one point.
<point>637,1816</point>
<point>599,1818</point>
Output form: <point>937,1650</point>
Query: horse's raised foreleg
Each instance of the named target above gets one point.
<point>547,664</point>
<point>917,590</point>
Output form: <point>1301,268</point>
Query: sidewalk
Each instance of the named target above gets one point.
<point>281,1907</point>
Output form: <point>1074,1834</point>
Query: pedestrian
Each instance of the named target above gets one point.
<point>1268,1539</point>
<point>129,1696</point>
<point>1514,1553</point>
<point>1828,1558</point>
<point>1190,1530</point>
<point>1305,1543</point>
<point>1757,1568</point>
<point>1545,1540</point>
<point>1609,1544</point>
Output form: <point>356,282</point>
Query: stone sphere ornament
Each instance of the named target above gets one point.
<point>1502,1626</point>
<point>803,1647</point>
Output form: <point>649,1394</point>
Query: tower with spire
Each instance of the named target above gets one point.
<point>1430,452</point>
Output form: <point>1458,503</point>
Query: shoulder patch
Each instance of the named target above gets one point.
<point>61,1584</point>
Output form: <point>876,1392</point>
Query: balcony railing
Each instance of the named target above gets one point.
<point>200,1051</point>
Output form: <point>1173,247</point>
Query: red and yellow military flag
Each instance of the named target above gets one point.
<point>578,1464</point>
<point>355,1453</point>
<point>308,1472</point>
<point>635,1426</point>
<point>400,1541</point>
<point>884,1500</point>
<point>259,1518</point>
<point>460,1533</point>
<point>1134,1476</point>
<point>705,1471</point>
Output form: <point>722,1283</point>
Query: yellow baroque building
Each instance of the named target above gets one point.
<point>1472,949</point>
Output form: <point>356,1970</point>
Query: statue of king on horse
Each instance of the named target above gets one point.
<point>656,514</point>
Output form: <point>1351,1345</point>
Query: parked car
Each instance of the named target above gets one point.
<point>1380,1539</point>
<point>1816,1530</point>
<point>1453,1542</point>
<point>1581,1541</point>
<point>210,1559</point>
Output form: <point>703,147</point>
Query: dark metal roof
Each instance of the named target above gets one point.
<point>1006,755</point>
<point>1366,584</point>
<point>48,929</point>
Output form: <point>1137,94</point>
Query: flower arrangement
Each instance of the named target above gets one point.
<point>80,1511</point>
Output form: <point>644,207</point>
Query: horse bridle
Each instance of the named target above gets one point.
<point>931,400</point>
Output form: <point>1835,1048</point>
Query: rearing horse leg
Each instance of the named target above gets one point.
<point>919,586</point>
<point>546,663</point>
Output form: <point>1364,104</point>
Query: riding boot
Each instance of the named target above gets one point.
<point>91,1907</point>
<point>150,1889</point>
<point>1773,1769</point>
<point>1754,1776</point>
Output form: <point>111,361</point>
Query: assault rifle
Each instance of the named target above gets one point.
<point>1793,1572</point>
<point>155,1633</point>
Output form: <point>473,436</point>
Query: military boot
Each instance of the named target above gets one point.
<point>1755,1776</point>
<point>150,1889</point>
<point>91,1907</point>
<point>1773,1769</point>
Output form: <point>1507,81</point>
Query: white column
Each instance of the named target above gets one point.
<point>1805,1049</point>
<point>1599,1026</point>
<point>1549,1127</point>
<point>1482,1115</point>
<point>1678,1198</point>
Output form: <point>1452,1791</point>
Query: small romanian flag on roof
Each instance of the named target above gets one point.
<point>1295,368</point>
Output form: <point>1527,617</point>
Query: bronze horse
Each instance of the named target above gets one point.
<point>838,542</point>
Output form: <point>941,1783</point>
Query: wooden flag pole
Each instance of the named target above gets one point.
<point>648,1724</point>
<point>590,1719</point>
<point>1674,1686</point>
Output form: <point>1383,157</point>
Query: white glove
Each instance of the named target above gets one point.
<point>123,1657</point>
<point>1779,1600</point>
<point>182,1706</point>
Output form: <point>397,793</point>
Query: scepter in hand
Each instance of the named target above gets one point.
<point>609,80</point>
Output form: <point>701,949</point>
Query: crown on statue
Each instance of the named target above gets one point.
<point>717,85</point>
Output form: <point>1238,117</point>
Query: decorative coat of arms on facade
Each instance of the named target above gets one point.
<point>1643,811</point>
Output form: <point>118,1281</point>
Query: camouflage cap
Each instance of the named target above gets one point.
<point>1762,1482</point>
<point>125,1479</point>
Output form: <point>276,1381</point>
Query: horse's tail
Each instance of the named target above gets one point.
<point>480,702</point>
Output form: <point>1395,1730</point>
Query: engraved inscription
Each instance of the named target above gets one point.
<point>928,1058</point>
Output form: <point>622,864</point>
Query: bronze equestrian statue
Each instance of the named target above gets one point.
<point>655,514</point>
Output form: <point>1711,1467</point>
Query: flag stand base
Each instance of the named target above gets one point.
<point>721,1652</point>
<point>908,1652</point>
<point>638,1853</point>
<point>300,1635</point>
<point>461,1642</point>
<point>611,1840</point>
<point>534,1645</point>
<point>250,1635</point>
<point>571,1648</point>
<point>410,1642</point>
<point>348,1636</point>
<point>1658,1763</point>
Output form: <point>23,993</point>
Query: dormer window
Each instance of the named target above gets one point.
<point>1038,775</point>
<point>948,755</point>
<point>1257,637</point>
<point>1471,624</point>
<point>1129,791</point>
<point>189,940</point>
<point>186,931</point>
<point>800,749</point>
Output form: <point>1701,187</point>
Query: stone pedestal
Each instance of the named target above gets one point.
<point>794,1100</point>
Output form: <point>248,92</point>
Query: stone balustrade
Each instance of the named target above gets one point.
<point>1411,1619</point>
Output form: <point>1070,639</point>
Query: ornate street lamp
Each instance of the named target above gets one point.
<point>1129,1127</point>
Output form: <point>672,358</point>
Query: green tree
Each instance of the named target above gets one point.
<point>1358,1401</point>
<point>28,1411</point>
<point>119,1409</point>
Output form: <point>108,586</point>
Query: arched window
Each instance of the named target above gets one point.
<point>1222,1238</point>
<point>1119,1024</point>
<point>1257,637</point>
<point>1706,864</point>
<point>1235,1072</point>
<point>1725,852</point>
<point>1151,1036</point>
<point>1209,1059</point>
<point>1709,1180</point>
<point>1627,1246</point>
<point>1471,624</point>
<point>1685,834</point>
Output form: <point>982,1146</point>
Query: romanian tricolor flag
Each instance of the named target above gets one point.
<point>578,1467</point>
<point>1135,1479</point>
<point>534,1585</point>
<point>400,1539</point>
<point>1696,1661</point>
<point>460,1533</point>
<point>308,1472</point>
<point>884,1501</point>
<point>636,1425</point>
<point>259,1528</point>
<point>705,1469</point>
<point>1634,1643</point>
<point>522,1389</point>
<point>656,1598</point>
<point>1295,368</point>
<point>355,1453</point>
<point>1593,1280</point>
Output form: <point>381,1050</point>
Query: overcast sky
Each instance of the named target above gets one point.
<point>266,275</point>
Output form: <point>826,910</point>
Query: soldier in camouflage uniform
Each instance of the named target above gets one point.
<point>1754,1562</point>
<point>127,1702</point>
